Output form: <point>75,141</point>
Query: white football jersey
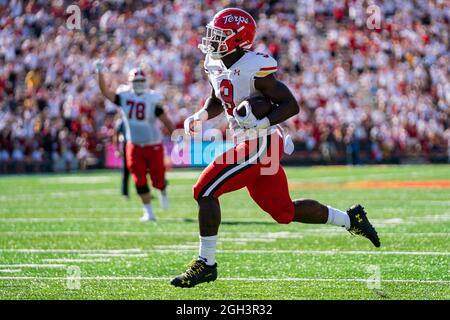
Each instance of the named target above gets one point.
<point>235,84</point>
<point>140,113</point>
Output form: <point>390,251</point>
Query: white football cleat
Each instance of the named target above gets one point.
<point>146,218</point>
<point>163,200</point>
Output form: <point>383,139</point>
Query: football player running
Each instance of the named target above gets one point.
<point>140,107</point>
<point>236,73</point>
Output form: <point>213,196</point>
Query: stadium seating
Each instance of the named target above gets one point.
<point>366,95</point>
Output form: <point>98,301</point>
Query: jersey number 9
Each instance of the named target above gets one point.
<point>226,92</point>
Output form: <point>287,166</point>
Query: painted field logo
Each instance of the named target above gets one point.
<point>238,19</point>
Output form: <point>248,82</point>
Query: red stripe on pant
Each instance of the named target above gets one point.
<point>269,191</point>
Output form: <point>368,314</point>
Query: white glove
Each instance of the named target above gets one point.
<point>179,143</point>
<point>288,144</point>
<point>201,115</point>
<point>238,132</point>
<point>249,121</point>
<point>99,65</point>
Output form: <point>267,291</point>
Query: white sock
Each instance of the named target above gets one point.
<point>207,250</point>
<point>338,218</point>
<point>148,210</point>
<point>163,200</point>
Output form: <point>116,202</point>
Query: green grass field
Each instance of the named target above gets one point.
<point>53,226</point>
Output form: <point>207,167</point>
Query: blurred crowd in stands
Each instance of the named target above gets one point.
<point>367,95</point>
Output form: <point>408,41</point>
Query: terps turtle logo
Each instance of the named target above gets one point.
<point>238,19</point>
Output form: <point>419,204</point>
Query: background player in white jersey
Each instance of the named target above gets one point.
<point>140,108</point>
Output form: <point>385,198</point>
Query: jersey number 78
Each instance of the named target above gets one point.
<point>138,108</point>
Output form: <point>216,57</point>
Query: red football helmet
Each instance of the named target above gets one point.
<point>230,28</point>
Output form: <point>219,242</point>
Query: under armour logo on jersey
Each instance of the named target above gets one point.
<point>237,19</point>
<point>237,72</point>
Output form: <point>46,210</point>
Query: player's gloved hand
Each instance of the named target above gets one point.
<point>288,145</point>
<point>99,66</point>
<point>189,123</point>
<point>249,121</point>
<point>179,143</point>
<point>238,132</point>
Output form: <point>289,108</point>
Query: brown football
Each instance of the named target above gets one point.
<point>261,107</point>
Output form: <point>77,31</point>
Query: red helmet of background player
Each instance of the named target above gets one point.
<point>229,29</point>
<point>138,80</point>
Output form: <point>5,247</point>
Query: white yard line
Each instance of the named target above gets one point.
<point>57,194</point>
<point>63,210</point>
<point>335,280</point>
<point>32,265</point>
<point>246,240</point>
<point>332,252</point>
<point>74,233</point>
<point>242,239</point>
<point>226,236</point>
<point>176,247</point>
<point>76,260</point>
<point>10,270</point>
<point>131,278</point>
<point>314,252</point>
<point>113,255</point>
<point>194,248</point>
<point>83,211</point>
<point>72,250</point>
<point>388,221</point>
<point>107,178</point>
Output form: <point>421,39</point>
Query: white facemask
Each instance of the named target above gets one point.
<point>214,42</point>
<point>139,87</point>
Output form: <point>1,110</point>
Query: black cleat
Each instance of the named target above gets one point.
<point>198,272</point>
<point>361,226</point>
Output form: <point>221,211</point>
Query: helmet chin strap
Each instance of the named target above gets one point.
<point>227,53</point>
<point>223,55</point>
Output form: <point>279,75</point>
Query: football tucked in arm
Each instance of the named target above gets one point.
<point>261,107</point>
